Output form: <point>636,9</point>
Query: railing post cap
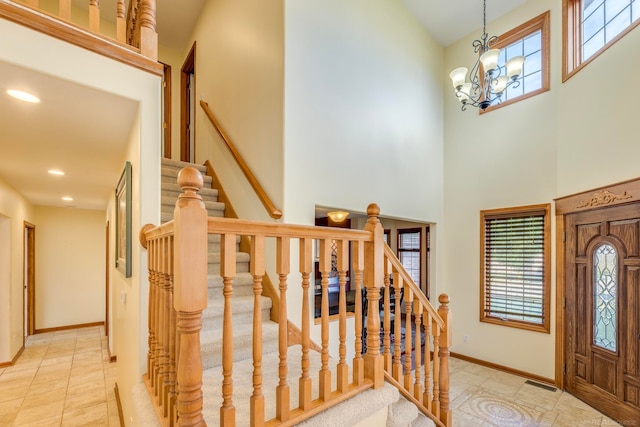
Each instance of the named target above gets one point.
<point>190,178</point>
<point>373,210</point>
<point>142,236</point>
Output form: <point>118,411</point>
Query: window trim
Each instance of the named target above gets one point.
<point>545,326</point>
<point>572,39</point>
<point>539,23</point>
<point>418,230</point>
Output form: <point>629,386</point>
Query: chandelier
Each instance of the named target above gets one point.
<point>488,81</point>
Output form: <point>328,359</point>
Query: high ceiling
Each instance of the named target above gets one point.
<point>84,132</point>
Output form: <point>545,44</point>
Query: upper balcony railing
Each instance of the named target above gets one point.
<point>128,36</point>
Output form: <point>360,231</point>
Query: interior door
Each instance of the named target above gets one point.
<point>602,327</point>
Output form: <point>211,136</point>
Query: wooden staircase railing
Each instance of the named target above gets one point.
<point>268,204</point>
<point>177,263</point>
<point>405,358</point>
<point>135,41</point>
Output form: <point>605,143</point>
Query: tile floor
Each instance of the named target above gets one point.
<point>485,397</point>
<point>62,378</point>
<point>65,379</point>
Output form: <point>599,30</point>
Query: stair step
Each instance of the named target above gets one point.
<point>402,413</point>
<point>211,343</point>
<point>168,204</point>
<point>169,177</point>
<point>171,190</point>
<point>242,285</point>
<point>212,316</point>
<point>242,262</point>
<point>169,163</point>
<point>422,421</point>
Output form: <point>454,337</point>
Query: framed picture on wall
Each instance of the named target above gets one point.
<point>123,222</point>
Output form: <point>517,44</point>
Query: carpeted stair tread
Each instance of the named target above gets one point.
<point>180,164</point>
<point>170,202</point>
<point>212,316</point>
<point>211,343</point>
<point>242,285</point>
<point>168,216</point>
<point>422,421</point>
<point>169,189</point>
<point>402,413</point>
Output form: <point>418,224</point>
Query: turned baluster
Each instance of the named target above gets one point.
<point>64,9</point>
<point>305,383</point>
<point>417,385</point>
<point>228,272</point>
<point>325,267</point>
<point>408,347</point>
<point>148,35</point>
<point>435,403</point>
<point>94,16</point>
<point>283,251</point>
<point>358,266</point>
<point>151,318</point>
<point>386,307</point>
<point>397,325</point>
<point>445,343</point>
<point>162,324</point>
<point>171,383</point>
<point>257,270</point>
<point>342,369</point>
<point>157,321</point>
<point>426,397</point>
<point>166,324</point>
<point>373,281</point>
<point>190,294</point>
<point>121,22</point>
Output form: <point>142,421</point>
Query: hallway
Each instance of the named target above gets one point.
<point>62,378</point>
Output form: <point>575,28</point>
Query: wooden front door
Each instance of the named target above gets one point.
<point>602,327</point>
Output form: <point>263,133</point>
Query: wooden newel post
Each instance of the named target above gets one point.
<point>190,293</point>
<point>445,344</point>
<point>373,281</point>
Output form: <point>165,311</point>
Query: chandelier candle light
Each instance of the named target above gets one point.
<point>487,82</point>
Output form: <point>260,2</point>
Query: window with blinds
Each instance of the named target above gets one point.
<point>515,267</point>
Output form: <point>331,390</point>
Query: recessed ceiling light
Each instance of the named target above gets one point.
<point>23,96</point>
<point>55,172</point>
<point>67,199</point>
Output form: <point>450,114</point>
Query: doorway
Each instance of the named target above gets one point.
<point>188,107</point>
<point>602,307</point>
<point>29,280</point>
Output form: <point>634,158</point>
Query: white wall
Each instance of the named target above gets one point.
<point>32,50</point>
<point>577,136</point>
<point>239,72</point>
<point>14,210</point>
<point>70,267</point>
<point>363,112</point>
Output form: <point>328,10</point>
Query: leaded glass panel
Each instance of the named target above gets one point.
<point>605,292</point>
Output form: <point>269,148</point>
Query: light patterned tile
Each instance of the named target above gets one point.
<point>87,416</point>
<point>9,410</point>
<point>38,414</point>
<point>83,398</point>
<point>33,400</point>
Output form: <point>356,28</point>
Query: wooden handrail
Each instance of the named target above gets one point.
<point>408,281</point>
<point>273,212</point>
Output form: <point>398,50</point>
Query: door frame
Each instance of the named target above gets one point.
<point>188,68</point>
<point>29,278</point>
<point>617,194</point>
<point>107,277</point>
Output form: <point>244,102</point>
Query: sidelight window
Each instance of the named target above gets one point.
<point>605,292</point>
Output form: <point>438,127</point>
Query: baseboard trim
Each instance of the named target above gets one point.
<point>14,360</point>
<point>64,328</point>
<point>111,358</point>
<point>119,403</point>
<point>504,368</point>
